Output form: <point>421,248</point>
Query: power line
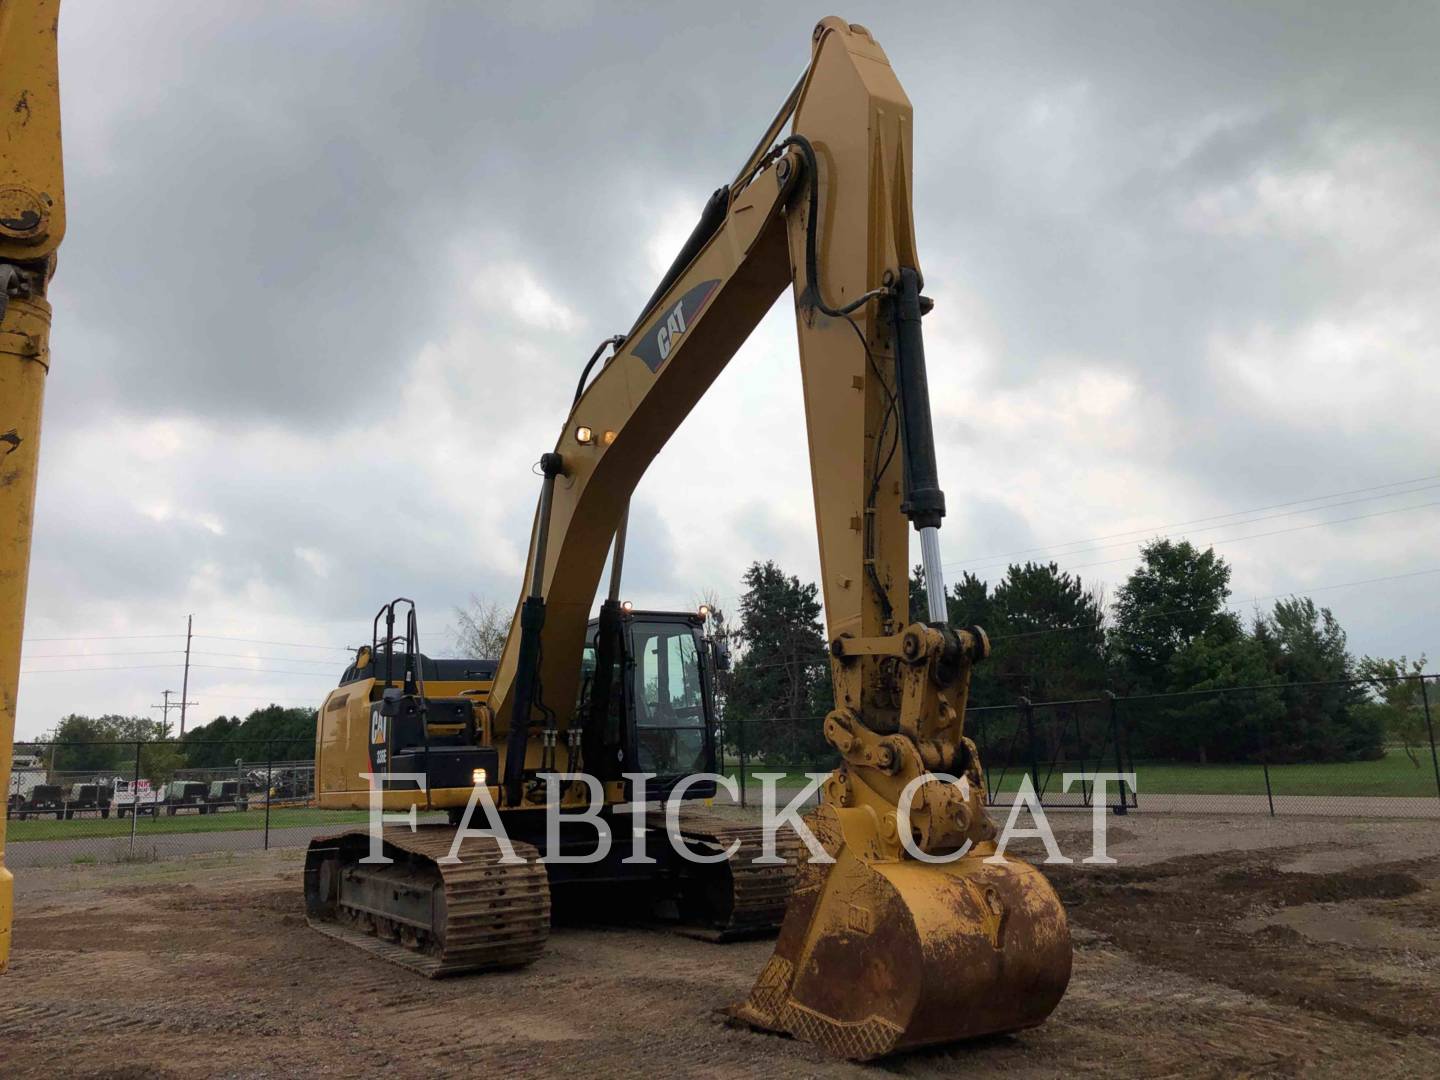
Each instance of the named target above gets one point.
<point>1217,517</point>
<point>1280,532</point>
<point>108,637</point>
<point>282,659</point>
<point>176,666</point>
<point>210,637</point>
<point>264,671</point>
<point>1228,524</point>
<point>168,705</point>
<point>1150,615</point>
<point>88,655</point>
<point>1227,604</point>
<point>248,697</point>
<point>282,644</point>
<point>178,652</point>
<point>984,563</point>
<point>129,667</point>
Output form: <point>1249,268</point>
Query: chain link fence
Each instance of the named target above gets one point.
<point>77,802</point>
<point>1256,749</point>
<point>1352,748</point>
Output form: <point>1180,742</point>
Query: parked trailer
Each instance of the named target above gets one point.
<point>227,795</point>
<point>185,795</point>
<point>90,798</point>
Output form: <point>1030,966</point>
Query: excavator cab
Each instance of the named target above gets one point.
<point>646,705</point>
<point>659,717</point>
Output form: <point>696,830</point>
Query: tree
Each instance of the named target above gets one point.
<point>967,601</point>
<point>1047,632</point>
<point>1399,700</point>
<point>1219,726</point>
<point>1306,648</point>
<point>781,685</point>
<point>480,629</point>
<point>1176,595</point>
<point>274,732</point>
<point>100,744</point>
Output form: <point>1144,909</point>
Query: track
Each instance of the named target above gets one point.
<point>434,918</point>
<point>741,897</point>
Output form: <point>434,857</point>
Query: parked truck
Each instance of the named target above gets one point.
<point>26,771</point>
<point>135,797</point>
<point>43,799</point>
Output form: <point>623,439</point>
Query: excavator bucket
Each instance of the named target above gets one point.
<point>880,956</point>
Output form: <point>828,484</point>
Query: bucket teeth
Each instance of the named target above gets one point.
<point>880,956</point>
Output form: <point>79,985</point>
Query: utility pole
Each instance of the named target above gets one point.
<point>168,705</point>
<point>185,685</point>
<point>165,708</point>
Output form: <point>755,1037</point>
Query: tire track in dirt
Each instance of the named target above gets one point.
<point>1166,983</point>
<point>1187,914</point>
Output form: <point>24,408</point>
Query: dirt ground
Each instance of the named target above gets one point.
<point>1216,947</point>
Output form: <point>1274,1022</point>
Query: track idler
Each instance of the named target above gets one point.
<point>877,956</point>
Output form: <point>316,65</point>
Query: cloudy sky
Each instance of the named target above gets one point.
<point>332,270</point>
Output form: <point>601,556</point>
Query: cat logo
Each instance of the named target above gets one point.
<point>657,345</point>
<point>377,726</point>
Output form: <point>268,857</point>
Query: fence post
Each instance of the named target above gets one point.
<point>135,799</point>
<point>269,765</point>
<point>740,746</point>
<point>1029,711</point>
<point>1430,729</point>
<point>1079,749</point>
<point>1121,807</point>
<point>985,763</point>
<point>1265,768</point>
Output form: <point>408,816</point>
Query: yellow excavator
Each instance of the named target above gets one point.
<point>403,727</point>
<point>904,935</point>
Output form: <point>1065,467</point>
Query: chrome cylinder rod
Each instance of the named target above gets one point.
<point>617,562</point>
<point>934,575</point>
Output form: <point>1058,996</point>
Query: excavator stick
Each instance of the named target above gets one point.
<point>877,957</point>
<point>897,943</point>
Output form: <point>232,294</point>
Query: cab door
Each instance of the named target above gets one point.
<point>671,730</point>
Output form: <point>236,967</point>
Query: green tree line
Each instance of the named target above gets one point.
<point>108,744</point>
<point>1169,642</point>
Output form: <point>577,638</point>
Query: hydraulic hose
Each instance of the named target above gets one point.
<point>609,343</point>
<point>813,294</point>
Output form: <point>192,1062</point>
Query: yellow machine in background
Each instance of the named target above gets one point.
<point>882,949</point>
<point>32,222</point>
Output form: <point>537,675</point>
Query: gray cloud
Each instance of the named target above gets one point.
<point>332,270</point>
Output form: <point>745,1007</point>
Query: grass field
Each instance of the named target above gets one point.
<point>77,828</point>
<point>1391,776</point>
